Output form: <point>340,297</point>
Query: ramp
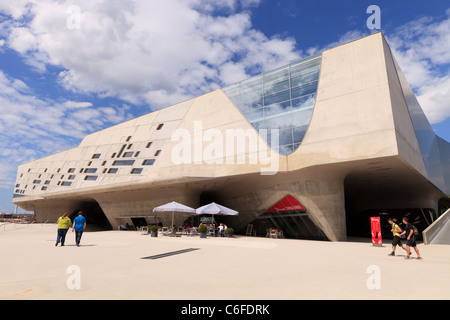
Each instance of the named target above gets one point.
<point>439,231</point>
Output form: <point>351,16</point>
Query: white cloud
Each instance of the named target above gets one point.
<point>422,49</point>
<point>158,52</point>
<point>16,8</point>
<point>32,127</point>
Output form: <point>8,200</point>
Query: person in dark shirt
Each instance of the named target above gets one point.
<point>410,238</point>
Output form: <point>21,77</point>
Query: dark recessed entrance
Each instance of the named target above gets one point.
<point>358,225</point>
<point>291,218</point>
<point>95,217</point>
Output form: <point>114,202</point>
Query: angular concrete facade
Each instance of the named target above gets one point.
<point>364,144</point>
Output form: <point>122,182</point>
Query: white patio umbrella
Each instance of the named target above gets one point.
<point>214,208</point>
<point>174,207</point>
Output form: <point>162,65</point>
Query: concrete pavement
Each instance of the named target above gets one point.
<point>109,265</point>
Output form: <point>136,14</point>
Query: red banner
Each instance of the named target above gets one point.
<point>288,203</point>
<point>376,231</point>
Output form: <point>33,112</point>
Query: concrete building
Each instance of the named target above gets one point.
<point>311,148</point>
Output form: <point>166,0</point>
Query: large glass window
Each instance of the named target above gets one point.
<point>281,99</point>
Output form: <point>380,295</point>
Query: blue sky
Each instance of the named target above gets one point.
<point>69,68</point>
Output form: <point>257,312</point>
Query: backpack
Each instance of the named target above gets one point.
<point>416,232</point>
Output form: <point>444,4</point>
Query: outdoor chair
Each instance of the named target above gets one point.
<point>211,232</point>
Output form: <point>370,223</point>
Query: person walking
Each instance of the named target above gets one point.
<point>79,224</point>
<point>64,223</point>
<point>410,238</point>
<point>396,233</point>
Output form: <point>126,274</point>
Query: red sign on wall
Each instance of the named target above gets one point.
<point>288,203</point>
<point>376,231</point>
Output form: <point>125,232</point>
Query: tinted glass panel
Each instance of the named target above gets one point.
<point>304,90</point>
<point>278,97</point>
<point>148,162</point>
<point>281,99</point>
<point>123,163</point>
<point>136,171</point>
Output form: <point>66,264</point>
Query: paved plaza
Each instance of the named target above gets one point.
<point>110,265</point>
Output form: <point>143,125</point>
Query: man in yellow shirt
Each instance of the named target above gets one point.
<point>396,233</point>
<point>64,224</point>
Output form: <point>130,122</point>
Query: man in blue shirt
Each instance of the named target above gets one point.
<point>79,224</point>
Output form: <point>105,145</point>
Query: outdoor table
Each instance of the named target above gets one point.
<point>274,233</point>
<point>165,231</point>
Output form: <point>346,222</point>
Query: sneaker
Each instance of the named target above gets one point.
<point>391,254</point>
<point>56,244</point>
<point>408,257</point>
<point>419,258</point>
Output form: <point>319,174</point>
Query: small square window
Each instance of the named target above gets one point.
<point>128,154</point>
<point>148,162</point>
<point>90,170</point>
<point>66,183</point>
<point>136,171</point>
<point>129,146</point>
<point>91,178</point>
<point>113,155</point>
<point>96,156</point>
<point>128,139</point>
<point>113,170</point>
<point>160,126</point>
<point>103,163</point>
<point>71,170</point>
<point>137,153</point>
<point>71,177</point>
<point>123,163</point>
<point>157,153</point>
<point>44,188</point>
<point>149,144</point>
